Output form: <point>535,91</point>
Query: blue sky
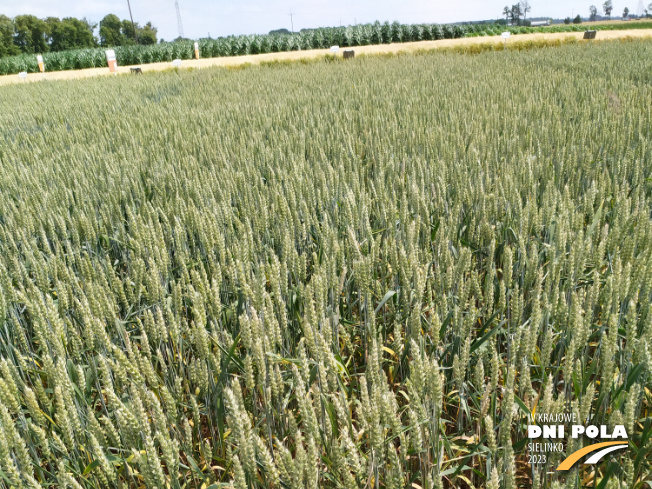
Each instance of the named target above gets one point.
<point>219,18</point>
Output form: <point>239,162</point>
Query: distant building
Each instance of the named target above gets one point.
<point>536,23</point>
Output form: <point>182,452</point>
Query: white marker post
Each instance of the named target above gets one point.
<point>335,49</point>
<point>176,63</point>
<point>41,66</point>
<point>506,35</point>
<point>112,62</point>
<point>22,75</point>
<point>196,50</point>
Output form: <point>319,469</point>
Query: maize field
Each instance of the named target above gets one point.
<point>328,274</point>
<point>322,38</point>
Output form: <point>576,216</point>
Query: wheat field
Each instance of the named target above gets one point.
<point>344,274</point>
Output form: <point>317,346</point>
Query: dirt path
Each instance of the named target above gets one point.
<point>315,53</point>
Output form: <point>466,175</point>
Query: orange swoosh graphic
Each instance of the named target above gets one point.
<point>575,456</point>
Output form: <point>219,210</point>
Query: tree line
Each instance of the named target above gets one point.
<point>28,34</point>
<point>517,13</point>
<point>608,7</point>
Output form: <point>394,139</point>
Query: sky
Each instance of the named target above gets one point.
<point>220,18</point>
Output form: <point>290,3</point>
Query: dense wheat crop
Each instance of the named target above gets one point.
<point>333,274</point>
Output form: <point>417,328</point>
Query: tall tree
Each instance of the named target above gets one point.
<point>594,13</point>
<point>525,8</point>
<point>7,46</point>
<point>625,13</point>
<point>30,34</point>
<point>129,31</point>
<point>135,34</point>
<point>607,8</point>
<point>91,25</point>
<point>147,34</point>
<point>516,14</point>
<point>507,12</point>
<point>52,27</point>
<point>110,31</point>
<point>69,33</point>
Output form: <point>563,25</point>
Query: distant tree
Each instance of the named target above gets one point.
<point>567,20</point>
<point>516,14</point>
<point>135,34</point>
<point>594,13</point>
<point>279,31</point>
<point>91,25</point>
<point>110,31</point>
<point>607,8</point>
<point>147,35</point>
<point>30,34</point>
<point>69,33</point>
<point>7,46</point>
<point>525,8</point>
<point>54,32</point>
<point>625,13</point>
<point>577,19</point>
<point>128,32</point>
<point>507,12</point>
<point>648,12</point>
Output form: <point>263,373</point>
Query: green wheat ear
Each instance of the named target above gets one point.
<point>371,273</point>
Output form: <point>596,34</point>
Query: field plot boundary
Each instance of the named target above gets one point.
<point>376,49</point>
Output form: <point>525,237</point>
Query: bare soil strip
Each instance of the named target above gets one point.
<point>315,53</point>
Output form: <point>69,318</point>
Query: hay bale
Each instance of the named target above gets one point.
<point>349,54</point>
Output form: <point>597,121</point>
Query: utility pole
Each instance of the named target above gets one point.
<point>292,21</point>
<point>133,26</point>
